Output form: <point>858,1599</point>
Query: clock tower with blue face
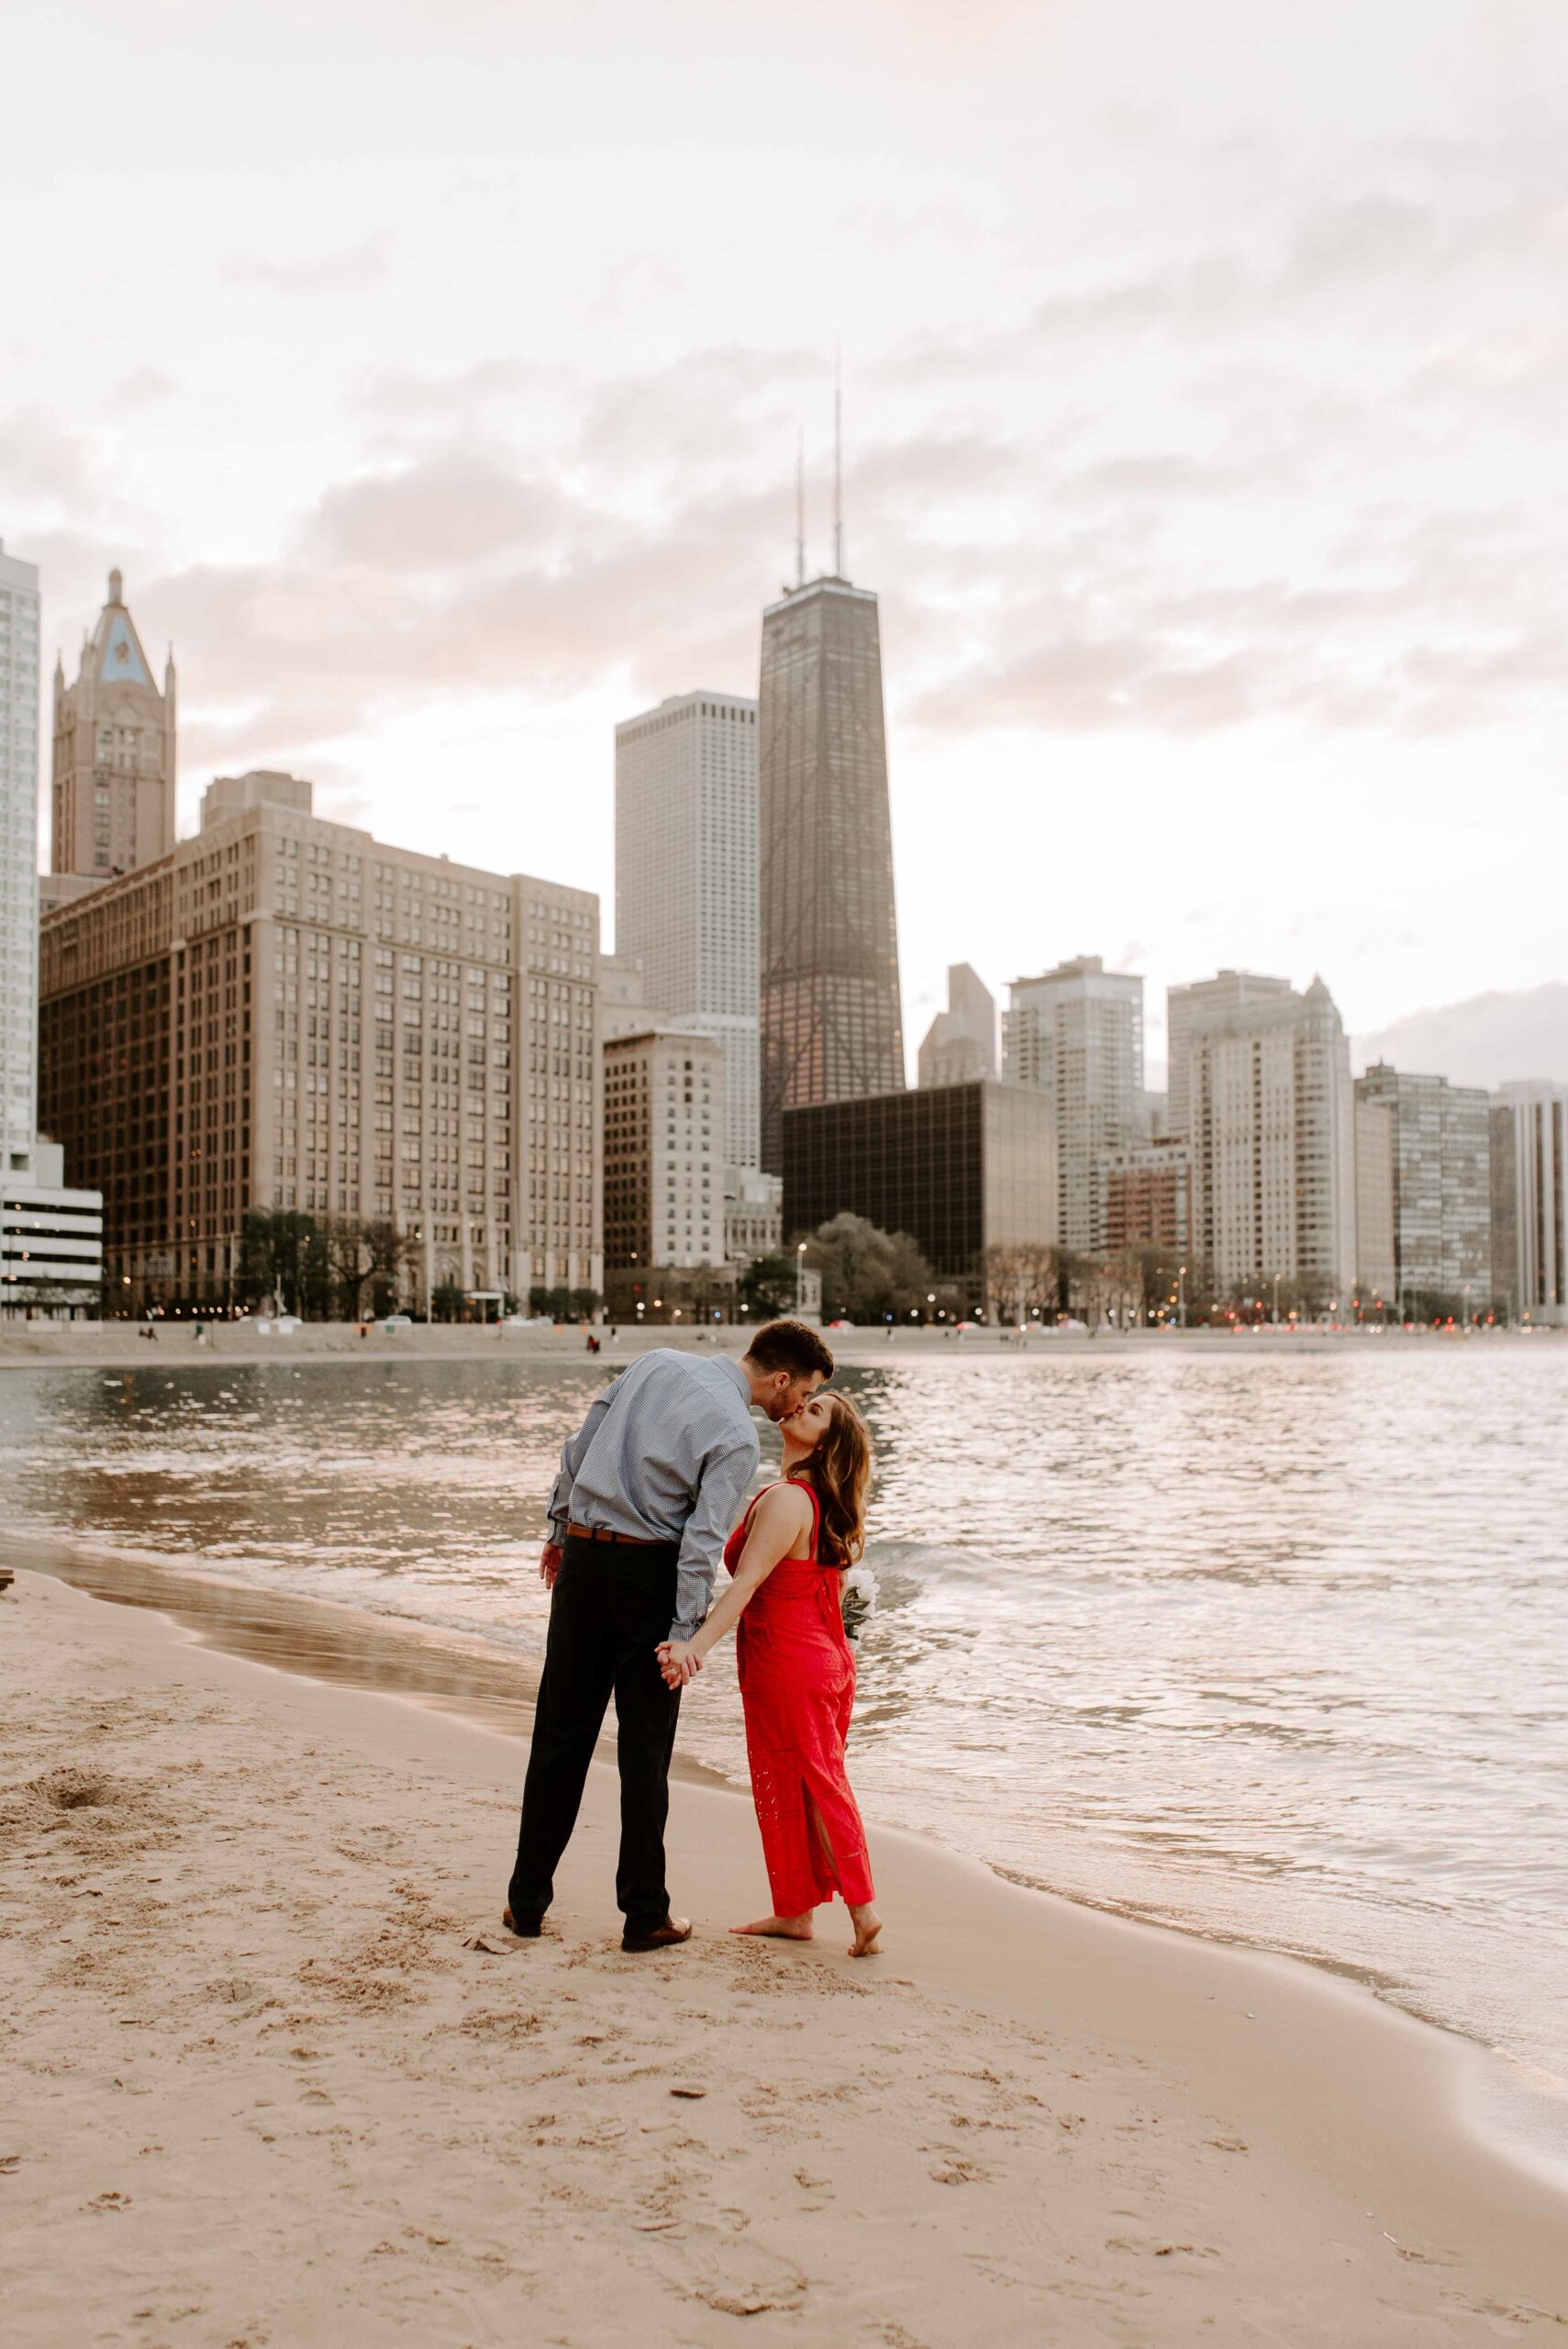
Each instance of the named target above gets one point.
<point>113,800</point>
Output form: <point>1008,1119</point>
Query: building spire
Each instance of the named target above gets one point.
<point>800,506</point>
<point>838,466</point>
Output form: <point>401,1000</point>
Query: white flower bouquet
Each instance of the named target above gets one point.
<point>859,1599</point>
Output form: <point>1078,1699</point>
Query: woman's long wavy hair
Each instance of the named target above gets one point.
<point>839,1471</point>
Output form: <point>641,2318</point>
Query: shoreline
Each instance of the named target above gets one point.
<point>1376,2106</point>
<point>1152,2134</point>
<point>486,1684</point>
<point>118,1345</point>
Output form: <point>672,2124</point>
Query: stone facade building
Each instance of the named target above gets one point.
<point>113,784</point>
<point>753,1215</point>
<point>663,1151</point>
<point>1148,1197</point>
<point>285,1012</point>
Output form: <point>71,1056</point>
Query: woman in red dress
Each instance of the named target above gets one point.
<point>788,1558</point>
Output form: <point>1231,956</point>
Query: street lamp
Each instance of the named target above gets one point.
<point>1181,1295</point>
<point>799,1279</point>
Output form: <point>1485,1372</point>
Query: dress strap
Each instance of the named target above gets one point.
<point>801,1483</point>
<point>810,1491</point>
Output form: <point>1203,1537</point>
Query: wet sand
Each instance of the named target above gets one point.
<point>275,2076</point>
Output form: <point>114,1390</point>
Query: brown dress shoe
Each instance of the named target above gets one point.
<point>664,1936</point>
<point>525,1932</point>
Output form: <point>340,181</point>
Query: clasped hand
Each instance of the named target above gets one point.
<point>678,1660</point>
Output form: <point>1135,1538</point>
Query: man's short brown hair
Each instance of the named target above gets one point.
<point>792,1346</point>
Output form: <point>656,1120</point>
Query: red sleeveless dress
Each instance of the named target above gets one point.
<point>797,1684</point>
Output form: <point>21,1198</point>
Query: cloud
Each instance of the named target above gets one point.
<point>1488,1040</point>
<point>403,394</point>
<point>38,459</point>
<point>144,387</point>
<point>449,509</point>
<point>350,271</point>
<point>455,577</point>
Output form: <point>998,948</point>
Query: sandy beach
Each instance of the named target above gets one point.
<point>274,2076</point>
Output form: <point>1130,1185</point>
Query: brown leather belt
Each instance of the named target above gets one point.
<point>626,1541</point>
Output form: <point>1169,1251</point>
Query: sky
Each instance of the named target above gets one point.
<point>434,373</point>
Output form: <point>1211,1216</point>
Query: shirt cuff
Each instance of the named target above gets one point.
<point>686,1630</point>
<point>558,1531</point>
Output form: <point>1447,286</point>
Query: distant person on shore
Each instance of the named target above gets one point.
<point>648,1488</point>
<point>788,1558</point>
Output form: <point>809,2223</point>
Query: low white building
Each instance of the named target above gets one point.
<point>753,1214</point>
<point>51,1241</point>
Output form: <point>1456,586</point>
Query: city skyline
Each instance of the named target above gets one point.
<point>1239,501</point>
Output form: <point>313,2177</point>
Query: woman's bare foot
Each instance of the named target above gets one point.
<point>780,1929</point>
<point>867,1925</point>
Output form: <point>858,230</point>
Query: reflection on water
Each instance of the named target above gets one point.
<point>1273,1647</point>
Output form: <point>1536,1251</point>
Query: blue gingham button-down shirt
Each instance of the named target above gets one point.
<point>666,1453</point>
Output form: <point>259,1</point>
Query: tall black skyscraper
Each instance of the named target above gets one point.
<point>831,1025</point>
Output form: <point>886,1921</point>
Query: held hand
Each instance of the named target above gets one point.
<point>549,1564</point>
<point>677,1662</point>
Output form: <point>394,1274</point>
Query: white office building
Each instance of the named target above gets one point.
<point>1272,1117</point>
<point>686,882</point>
<point>1076,1034</point>
<point>51,1238</point>
<point>1227,989</point>
<point>18,860</point>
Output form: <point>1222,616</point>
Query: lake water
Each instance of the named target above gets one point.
<point>1270,1646</point>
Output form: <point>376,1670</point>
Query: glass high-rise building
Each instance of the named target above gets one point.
<point>1424,1184</point>
<point>962,1168</point>
<point>686,881</point>
<point>832,1026</point>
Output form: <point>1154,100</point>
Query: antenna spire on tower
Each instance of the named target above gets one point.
<point>800,506</point>
<point>838,467</point>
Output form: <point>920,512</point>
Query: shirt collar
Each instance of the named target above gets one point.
<point>739,1376</point>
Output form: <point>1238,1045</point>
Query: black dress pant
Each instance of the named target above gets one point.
<point>610,1607</point>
